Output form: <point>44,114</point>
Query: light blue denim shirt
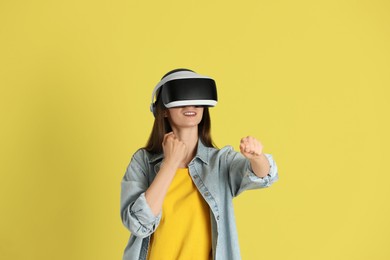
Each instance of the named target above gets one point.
<point>219,175</point>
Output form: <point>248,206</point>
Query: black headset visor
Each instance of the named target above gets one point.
<point>189,92</point>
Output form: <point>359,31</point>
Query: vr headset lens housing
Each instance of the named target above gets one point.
<point>185,88</point>
<point>189,92</point>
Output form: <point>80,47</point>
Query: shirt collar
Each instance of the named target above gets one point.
<point>202,153</point>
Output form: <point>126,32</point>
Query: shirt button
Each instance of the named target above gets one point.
<point>217,217</point>
<point>196,176</point>
<point>207,194</point>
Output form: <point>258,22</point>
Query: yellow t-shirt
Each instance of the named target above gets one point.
<point>185,230</point>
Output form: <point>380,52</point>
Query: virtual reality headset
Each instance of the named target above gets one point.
<point>185,88</point>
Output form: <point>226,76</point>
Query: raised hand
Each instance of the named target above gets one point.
<point>250,147</point>
<point>175,151</point>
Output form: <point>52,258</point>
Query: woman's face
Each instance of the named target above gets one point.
<point>184,117</point>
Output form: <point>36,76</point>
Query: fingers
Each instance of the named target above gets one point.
<point>247,144</point>
<point>171,139</point>
<point>250,146</point>
<point>175,151</point>
<point>168,135</point>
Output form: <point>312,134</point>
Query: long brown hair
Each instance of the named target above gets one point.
<point>161,125</point>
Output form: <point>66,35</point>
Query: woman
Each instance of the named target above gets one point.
<point>177,192</point>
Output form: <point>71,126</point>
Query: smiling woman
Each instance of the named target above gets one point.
<point>180,182</point>
<point>188,116</point>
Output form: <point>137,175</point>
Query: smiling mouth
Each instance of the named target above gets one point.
<point>189,113</point>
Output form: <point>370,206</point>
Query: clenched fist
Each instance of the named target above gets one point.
<point>251,148</point>
<point>175,151</point>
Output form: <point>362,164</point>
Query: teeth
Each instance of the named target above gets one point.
<point>189,113</point>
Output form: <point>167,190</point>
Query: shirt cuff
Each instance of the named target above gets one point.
<point>141,211</point>
<point>272,175</point>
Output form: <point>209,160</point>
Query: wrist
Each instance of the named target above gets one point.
<point>169,166</point>
<point>257,157</point>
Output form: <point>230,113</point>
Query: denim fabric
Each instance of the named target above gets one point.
<point>219,175</point>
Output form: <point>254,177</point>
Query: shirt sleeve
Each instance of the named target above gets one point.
<point>135,212</point>
<point>241,176</point>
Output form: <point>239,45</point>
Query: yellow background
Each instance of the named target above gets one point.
<point>310,79</point>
